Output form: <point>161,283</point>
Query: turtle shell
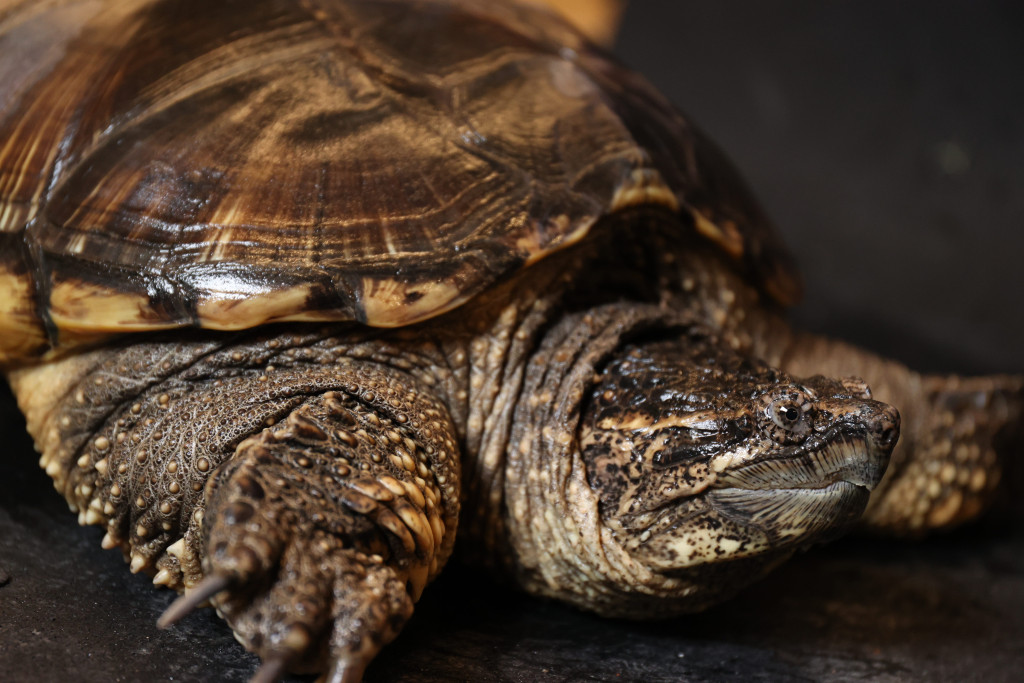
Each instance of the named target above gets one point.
<point>172,163</point>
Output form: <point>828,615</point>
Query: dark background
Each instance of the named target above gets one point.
<point>887,140</point>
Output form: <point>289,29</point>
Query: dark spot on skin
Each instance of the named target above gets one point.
<point>238,512</point>
<point>250,488</point>
<point>396,621</point>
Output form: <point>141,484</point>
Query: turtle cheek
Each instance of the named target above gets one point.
<point>722,525</point>
<point>696,537</point>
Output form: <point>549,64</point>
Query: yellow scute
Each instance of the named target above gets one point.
<point>390,303</point>
<point>21,332</point>
<point>236,312</point>
<point>78,307</point>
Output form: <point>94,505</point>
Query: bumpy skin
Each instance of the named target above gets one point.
<point>307,480</point>
<point>326,523</point>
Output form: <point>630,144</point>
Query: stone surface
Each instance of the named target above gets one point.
<point>887,141</point>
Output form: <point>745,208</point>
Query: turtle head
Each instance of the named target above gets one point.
<point>703,458</point>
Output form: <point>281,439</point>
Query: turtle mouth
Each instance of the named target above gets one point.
<point>843,454</point>
<point>807,493</point>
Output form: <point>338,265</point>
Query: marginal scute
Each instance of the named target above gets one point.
<point>21,331</point>
<point>78,307</point>
<point>724,233</point>
<point>391,303</point>
<point>236,311</point>
<point>644,187</point>
<point>535,250</point>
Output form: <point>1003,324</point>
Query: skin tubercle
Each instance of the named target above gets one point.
<point>178,447</point>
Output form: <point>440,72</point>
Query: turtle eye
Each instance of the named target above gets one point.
<point>786,415</point>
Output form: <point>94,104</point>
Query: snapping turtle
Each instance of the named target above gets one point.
<point>587,303</point>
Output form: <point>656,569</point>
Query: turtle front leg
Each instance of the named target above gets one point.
<point>949,461</point>
<point>321,532</point>
<point>308,495</point>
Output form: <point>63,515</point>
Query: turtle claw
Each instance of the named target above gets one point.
<point>344,671</point>
<point>191,599</point>
<point>321,565</point>
<point>271,670</point>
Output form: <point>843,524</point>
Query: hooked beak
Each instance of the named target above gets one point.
<point>853,445</point>
<point>821,486</point>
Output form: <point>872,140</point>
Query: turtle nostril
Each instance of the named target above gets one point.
<point>889,435</point>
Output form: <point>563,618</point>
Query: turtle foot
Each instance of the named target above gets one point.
<point>306,569</point>
<point>324,606</point>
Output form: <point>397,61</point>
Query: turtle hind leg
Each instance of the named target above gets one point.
<point>321,532</point>
<point>955,458</point>
<point>949,461</point>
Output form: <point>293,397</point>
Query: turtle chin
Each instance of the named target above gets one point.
<point>761,508</point>
<point>795,516</point>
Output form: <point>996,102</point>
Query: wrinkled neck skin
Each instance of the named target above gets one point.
<point>654,283</point>
<point>648,467</point>
<point>574,476</point>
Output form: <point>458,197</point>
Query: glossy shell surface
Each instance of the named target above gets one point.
<point>222,165</point>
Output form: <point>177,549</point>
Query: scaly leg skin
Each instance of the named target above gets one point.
<point>310,497</point>
<point>948,463</point>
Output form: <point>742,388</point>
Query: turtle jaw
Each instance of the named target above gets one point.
<point>767,502</point>
<point>811,492</point>
<point>844,453</point>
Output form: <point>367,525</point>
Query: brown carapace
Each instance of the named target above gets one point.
<point>294,292</point>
